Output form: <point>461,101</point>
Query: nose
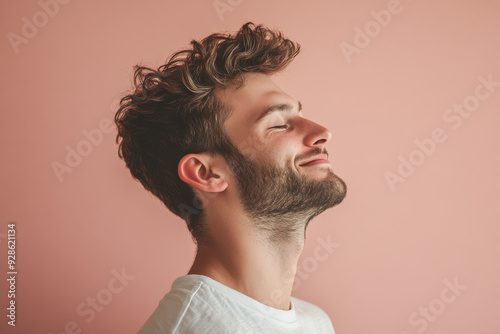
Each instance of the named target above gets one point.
<point>316,135</point>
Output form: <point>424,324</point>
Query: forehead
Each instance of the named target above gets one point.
<point>258,92</point>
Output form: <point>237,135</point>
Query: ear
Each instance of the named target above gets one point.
<point>201,172</point>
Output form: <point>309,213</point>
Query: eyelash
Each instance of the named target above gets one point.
<point>285,126</point>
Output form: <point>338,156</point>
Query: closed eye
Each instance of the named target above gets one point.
<point>279,126</point>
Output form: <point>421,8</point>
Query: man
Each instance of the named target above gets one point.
<point>213,137</point>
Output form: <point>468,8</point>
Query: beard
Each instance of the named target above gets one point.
<point>281,200</point>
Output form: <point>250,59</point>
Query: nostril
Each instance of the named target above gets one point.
<point>320,141</point>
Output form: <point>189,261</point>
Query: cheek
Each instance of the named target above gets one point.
<point>283,150</point>
<point>278,147</point>
<point>286,142</point>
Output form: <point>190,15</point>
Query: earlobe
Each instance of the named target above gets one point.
<point>195,170</point>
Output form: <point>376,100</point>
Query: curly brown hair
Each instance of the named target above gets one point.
<point>173,111</point>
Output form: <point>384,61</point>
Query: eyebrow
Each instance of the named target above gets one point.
<point>278,107</point>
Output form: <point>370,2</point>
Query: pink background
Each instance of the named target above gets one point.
<point>396,247</point>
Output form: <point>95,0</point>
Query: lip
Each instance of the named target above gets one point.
<point>319,159</point>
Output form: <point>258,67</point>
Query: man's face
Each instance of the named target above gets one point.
<point>272,179</point>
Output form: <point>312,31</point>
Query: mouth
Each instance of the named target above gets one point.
<point>320,159</point>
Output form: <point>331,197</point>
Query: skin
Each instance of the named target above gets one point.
<point>257,255</point>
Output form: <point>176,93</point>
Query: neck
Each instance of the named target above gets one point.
<point>258,263</point>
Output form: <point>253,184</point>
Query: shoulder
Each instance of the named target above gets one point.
<point>185,309</point>
<point>310,313</point>
<point>305,306</point>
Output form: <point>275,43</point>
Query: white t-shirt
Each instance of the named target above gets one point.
<point>200,304</point>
